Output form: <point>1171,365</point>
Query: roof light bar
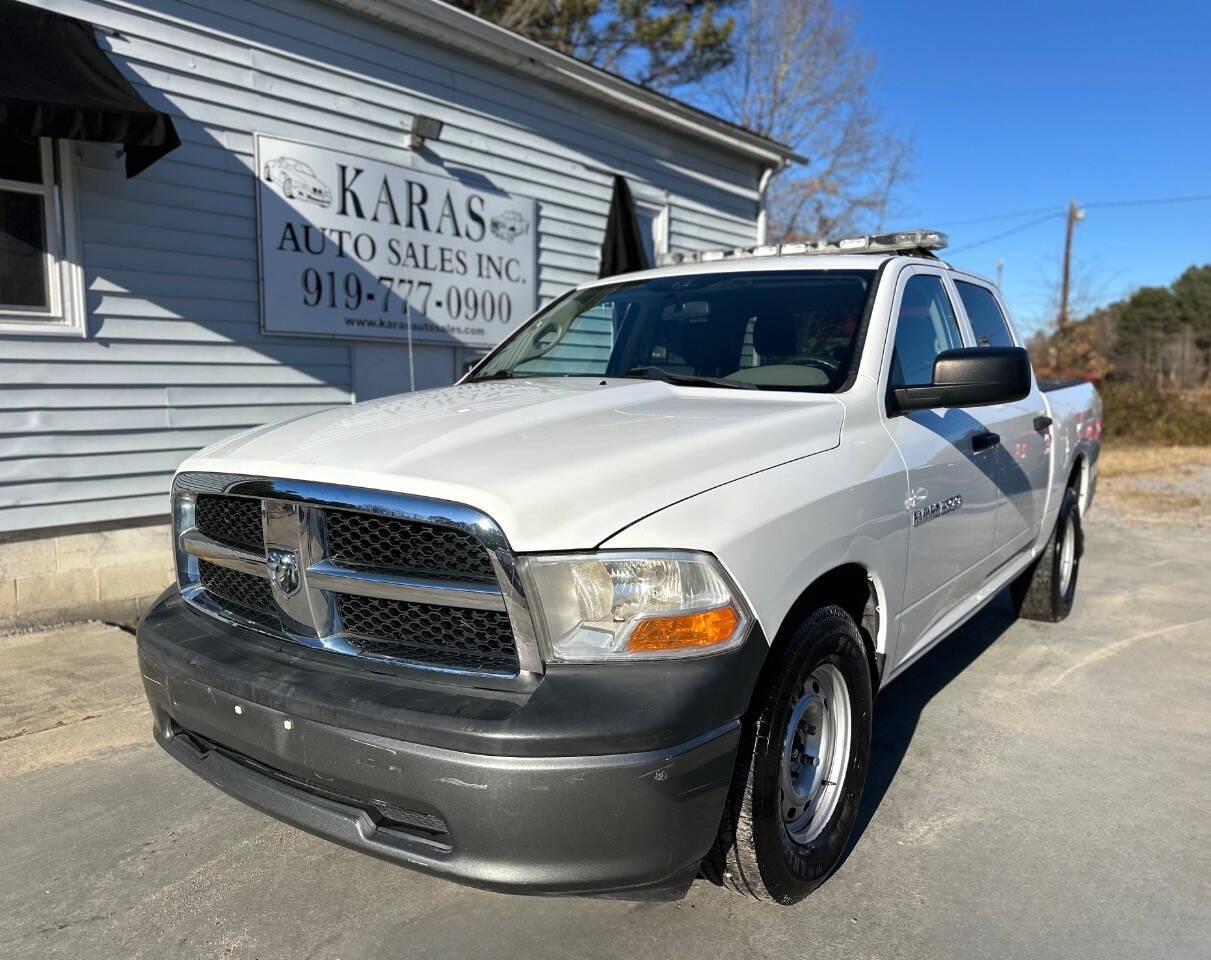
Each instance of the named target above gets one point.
<point>902,241</point>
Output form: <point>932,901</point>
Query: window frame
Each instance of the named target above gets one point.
<point>956,279</point>
<point>906,272</point>
<point>64,314</point>
<point>893,327</point>
<point>659,212</point>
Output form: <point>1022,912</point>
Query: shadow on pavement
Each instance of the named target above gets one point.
<point>898,708</point>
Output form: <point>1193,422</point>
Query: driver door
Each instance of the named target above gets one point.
<point>951,504</point>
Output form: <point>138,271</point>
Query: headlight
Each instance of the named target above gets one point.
<point>609,606</point>
<point>183,504</point>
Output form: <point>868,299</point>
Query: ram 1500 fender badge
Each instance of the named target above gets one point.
<point>937,509</point>
<point>283,571</point>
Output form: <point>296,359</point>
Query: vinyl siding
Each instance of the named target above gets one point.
<point>92,428</point>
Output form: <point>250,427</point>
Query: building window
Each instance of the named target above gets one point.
<point>653,229</point>
<point>39,287</point>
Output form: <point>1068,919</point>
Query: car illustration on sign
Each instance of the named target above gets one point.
<point>297,181</point>
<point>509,225</point>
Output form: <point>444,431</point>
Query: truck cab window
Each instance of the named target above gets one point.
<point>985,315</point>
<point>925,326</point>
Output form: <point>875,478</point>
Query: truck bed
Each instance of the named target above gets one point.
<point>1076,431</point>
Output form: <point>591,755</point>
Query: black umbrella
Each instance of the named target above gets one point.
<point>622,249</point>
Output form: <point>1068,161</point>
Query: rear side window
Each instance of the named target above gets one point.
<point>985,315</point>
<point>926,326</point>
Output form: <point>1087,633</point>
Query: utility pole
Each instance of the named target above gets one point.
<point>1000,268</point>
<point>1075,213</point>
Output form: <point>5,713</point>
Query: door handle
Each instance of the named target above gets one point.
<point>1041,423</point>
<point>982,441</point>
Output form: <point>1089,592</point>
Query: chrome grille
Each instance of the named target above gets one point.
<point>235,521</point>
<point>450,636</point>
<point>382,576</point>
<point>248,595</point>
<point>387,543</point>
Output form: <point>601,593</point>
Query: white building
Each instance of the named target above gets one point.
<point>157,333</point>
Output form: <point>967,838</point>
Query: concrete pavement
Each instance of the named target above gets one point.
<point>1036,791</point>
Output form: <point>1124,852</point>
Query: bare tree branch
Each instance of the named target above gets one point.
<point>799,78</point>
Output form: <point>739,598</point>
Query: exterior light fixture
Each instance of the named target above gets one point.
<point>424,128</point>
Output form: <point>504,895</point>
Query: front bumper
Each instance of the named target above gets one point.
<point>473,785</point>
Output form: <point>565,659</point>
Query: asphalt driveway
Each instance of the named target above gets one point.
<point>1036,791</point>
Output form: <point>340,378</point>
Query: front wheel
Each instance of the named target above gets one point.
<point>1045,590</point>
<point>801,766</point>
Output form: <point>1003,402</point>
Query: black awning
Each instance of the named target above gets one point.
<point>622,249</point>
<point>56,82</point>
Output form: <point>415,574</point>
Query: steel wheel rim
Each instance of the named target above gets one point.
<point>815,754</point>
<point>1067,555</point>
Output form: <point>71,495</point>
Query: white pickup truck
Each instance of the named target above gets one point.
<point>611,612</point>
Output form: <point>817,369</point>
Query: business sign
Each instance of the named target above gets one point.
<point>351,247</point>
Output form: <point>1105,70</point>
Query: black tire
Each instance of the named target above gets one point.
<point>754,853</point>
<point>1039,592</point>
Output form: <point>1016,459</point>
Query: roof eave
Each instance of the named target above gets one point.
<point>453,27</point>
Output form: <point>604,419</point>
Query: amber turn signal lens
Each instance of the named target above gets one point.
<point>685,631</point>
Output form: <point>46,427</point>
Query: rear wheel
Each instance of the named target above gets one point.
<point>801,766</point>
<point>1045,590</point>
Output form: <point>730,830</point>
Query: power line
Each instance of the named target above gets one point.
<point>1059,211</point>
<point>1193,198</point>
<point>1006,233</point>
<point>1152,201</point>
<point>998,216</point>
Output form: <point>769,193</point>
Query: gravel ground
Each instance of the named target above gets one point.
<point>1036,791</point>
<point>1168,487</point>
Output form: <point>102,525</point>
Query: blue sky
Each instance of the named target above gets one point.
<point>1020,107</point>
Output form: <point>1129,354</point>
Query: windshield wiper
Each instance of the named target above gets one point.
<point>504,373</point>
<point>687,379</point>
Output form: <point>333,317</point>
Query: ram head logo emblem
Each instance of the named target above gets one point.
<point>283,571</point>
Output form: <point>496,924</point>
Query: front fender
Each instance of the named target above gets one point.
<point>779,530</point>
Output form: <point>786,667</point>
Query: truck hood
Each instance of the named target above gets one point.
<point>560,464</point>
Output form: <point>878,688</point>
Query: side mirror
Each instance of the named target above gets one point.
<point>970,377</point>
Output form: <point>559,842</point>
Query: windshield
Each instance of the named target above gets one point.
<point>770,330</point>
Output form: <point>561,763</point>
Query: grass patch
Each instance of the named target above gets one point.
<point>1156,485</point>
<point>1164,505</point>
<point>1128,461</point>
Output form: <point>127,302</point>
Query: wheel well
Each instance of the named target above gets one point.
<point>1076,480</point>
<point>850,587</point>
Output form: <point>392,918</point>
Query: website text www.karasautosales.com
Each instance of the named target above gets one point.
<point>386,323</point>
